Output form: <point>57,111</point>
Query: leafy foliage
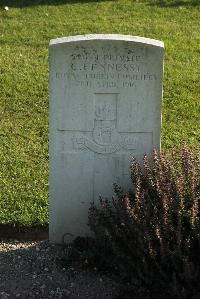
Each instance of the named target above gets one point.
<point>152,236</point>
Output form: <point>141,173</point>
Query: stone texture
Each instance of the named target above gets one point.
<point>105,107</point>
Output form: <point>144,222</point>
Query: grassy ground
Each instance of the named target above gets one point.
<point>25,30</point>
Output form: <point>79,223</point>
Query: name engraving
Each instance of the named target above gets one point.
<point>92,68</point>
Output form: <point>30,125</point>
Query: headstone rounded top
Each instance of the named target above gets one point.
<point>111,37</point>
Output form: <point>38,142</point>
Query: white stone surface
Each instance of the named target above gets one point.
<point>105,107</point>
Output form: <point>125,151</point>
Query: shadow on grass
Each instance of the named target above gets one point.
<point>28,3</point>
<point>175,3</point>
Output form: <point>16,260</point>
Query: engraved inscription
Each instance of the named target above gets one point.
<point>105,107</point>
<point>106,138</point>
<point>89,67</point>
<point>105,119</point>
<point>82,143</point>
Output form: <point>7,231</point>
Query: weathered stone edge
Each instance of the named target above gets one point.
<point>112,37</point>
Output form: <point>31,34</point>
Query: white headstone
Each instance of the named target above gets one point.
<point>105,107</point>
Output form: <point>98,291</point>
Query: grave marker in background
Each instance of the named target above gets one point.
<point>105,107</point>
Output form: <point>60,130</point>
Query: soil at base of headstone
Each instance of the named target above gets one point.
<point>8,231</point>
<point>35,269</point>
<point>31,267</point>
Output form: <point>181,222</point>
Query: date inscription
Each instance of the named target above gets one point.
<point>89,69</point>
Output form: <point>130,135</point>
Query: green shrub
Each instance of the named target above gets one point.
<point>151,237</point>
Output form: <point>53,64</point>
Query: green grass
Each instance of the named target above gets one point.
<point>25,31</point>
